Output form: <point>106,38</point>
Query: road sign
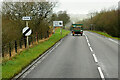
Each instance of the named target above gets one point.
<point>26,31</point>
<point>26,18</point>
<point>57,23</point>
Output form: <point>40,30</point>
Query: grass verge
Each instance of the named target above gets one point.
<point>105,34</point>
<point>18,63</point>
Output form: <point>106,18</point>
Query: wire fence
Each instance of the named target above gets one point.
<point>15,45</point>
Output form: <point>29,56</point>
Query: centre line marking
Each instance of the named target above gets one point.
<point>95,58</point>
<point>91,49</point>
<point>86,38</point>
<point>87,41</point>
<point>88,44</point>
<point>101,73</point>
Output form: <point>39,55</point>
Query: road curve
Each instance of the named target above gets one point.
<point>106,52</point>
<point>73,58</point>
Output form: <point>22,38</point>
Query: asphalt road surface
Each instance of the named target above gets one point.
<point>87,56</point>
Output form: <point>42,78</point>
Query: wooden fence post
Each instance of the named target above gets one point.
<point>29,40</point>
<point>15,46</point>
<point>41,36</point>
<point>47,33</point>
<point>25,42</point>
<point>20,43</point>
<point>9,49</point>
<point>2,51</point>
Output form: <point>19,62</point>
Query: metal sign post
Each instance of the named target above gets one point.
<point>53,30</point>
<point>26,23</point>
<point>27,41</point>
<point>27,36</point>
<point>61,30</point>
<point>27,31</point>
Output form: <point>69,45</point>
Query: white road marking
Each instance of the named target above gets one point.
<point>89,44</point>
<point>87,41</point>
<point>101,73</point>
<point>86,37</point>
<point>42,58</point>
<point>117,42</point>
<point>95,58</point>
<point>91,49</point>
<point>83,33</point>
<point>113,40</point>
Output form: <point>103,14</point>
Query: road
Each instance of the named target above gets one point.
<point>87,56</point>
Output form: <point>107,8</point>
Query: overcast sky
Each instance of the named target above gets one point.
<point>84,6</point>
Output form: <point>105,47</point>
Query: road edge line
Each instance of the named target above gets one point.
<point>110,39</point>
<point>101,73</point>
<point>37,59</point>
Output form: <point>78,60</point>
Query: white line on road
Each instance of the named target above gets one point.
<point>117,42</point>
<point>101,73</point>
<point>83,33</point>
<point>25,72</point>
<point>87,41</point>
<point>95,58</point>
<point>86,37</point>
<point>89,44</point>
<point>113,41</point>
<point>91,49</point>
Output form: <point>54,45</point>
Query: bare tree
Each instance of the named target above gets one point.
<point>14,11</point>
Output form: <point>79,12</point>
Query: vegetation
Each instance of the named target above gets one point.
<point>105,34</point>
<point>61,16</point>
<point>104,21</point>
<point>41,13</point>
<point>12,23</point>
<point>41,23</point>
<point>16,64</point>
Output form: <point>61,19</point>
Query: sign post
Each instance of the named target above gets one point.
<point>26,23</point>
<point>61,30</point>
<point>27,41</point>
<point>57,24</point>
<point>27,31</point>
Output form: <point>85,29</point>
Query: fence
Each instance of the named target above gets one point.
<point>15,45</point>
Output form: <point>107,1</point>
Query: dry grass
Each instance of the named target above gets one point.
<point>13,53</point>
